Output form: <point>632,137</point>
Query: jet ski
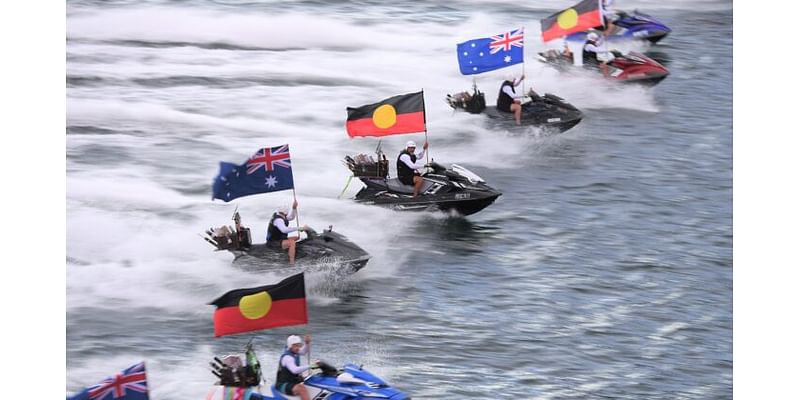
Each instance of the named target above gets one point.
<point>454,189</point>
<point>237,379</point>
<point>635,26</point>
<point>625,68</point>
<point>548,112</point>
<point>317,252</point>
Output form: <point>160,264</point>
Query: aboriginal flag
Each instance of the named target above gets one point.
<point>578,18</point>
<point>399,114</point>
<point>264,307</point>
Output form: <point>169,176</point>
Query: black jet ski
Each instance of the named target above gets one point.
<point>451,190</point>
<point>317,252</point>
<point>548,112</point>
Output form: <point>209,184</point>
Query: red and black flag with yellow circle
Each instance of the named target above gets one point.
<point>399,114</point>
<point>578,18</point>
<point>264,307</point>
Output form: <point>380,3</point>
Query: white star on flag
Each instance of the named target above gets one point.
<point>507,59</point>
<point>271,181</point>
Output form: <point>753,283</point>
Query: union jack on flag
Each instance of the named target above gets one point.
<point>484,54</point>
<point>130,384</point>
<point>507,40</point>
<point>268,158</point>
<point>269,170</point>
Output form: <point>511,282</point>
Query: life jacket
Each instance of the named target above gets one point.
<point>404,172</point>
<point>504,101</point>
<point>284,375</point>
<point>590,55</point>
<point>273,233</point>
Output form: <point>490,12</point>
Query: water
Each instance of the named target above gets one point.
<point>604,270</point>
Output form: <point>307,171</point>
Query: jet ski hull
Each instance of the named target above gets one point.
<point>438,194</point>
<point>325,252</point>
<point>548,112</point>
<point>465,205</point>
<point>631,26</point>
<point>634,68</point>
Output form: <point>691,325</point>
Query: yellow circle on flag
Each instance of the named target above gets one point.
<point>568,19</point>
<point>256,305</point>
<point>384,116</point>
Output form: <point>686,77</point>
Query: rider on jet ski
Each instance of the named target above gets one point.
<point>595,52</point>
<point>289,379</point>
<point>508,100</point>
<point>408,166</point>
<point>278,230</point>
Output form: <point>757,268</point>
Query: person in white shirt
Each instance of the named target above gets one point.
<point>288,379</point>
<point>278,230</point>
<point>610,16</point>
<point>408,165</point>
<point>508,100</point>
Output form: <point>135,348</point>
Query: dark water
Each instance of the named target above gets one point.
<point>604,270</point>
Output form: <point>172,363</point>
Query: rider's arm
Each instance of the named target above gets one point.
<point>282,226</point>
<point>290,215</point>
<point>421,154</point>
<point>407,160</point>
<point>507,90</point>
<point>288,362</point>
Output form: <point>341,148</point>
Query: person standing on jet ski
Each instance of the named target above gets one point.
<point>610,16</point>
<point>289,379</point>
<point>408,166</point>
<point>508,100</point>
<point>278,230</point>
<point>595,52</point>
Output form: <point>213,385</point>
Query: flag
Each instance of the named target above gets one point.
<point>233,393</point>
<point>580,17</point>
<point>131,384</point>
<point>404,113</point>
<point>269,170</point>
<point>488,54</point>
<point>263,307</point>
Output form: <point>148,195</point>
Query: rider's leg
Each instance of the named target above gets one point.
<point>417,185</point>
<point>300,390</point>
<point>291,244</point>
<point>516,108</point>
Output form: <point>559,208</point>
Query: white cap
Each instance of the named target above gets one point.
<point>292,340</point>
<point>410,143</point>
<point>592,36</point>
<point>510,77</point>
<point>284,209</point>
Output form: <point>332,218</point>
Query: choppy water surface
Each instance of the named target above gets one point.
<point>604,270</point>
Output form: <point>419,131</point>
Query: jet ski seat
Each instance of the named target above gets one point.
<point>395,185</point>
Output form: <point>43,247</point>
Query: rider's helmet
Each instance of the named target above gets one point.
<point>292,340</point>
<point>411,143</point>
<point>592,36</point>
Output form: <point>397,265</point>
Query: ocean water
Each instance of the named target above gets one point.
<point>604,270</point>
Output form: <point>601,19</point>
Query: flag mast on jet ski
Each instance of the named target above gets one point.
<point>268,170</point>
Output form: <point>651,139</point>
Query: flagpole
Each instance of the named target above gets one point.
<point>523,62</point>
<point>425,122</point>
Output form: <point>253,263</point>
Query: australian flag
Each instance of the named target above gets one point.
<point>491,53</point>
<point>269,170</point>
<point>130,384</point>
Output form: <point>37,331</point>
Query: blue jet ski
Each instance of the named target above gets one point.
<point>635,26</point>
<point>352,382</point>
<point>238,379</point>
